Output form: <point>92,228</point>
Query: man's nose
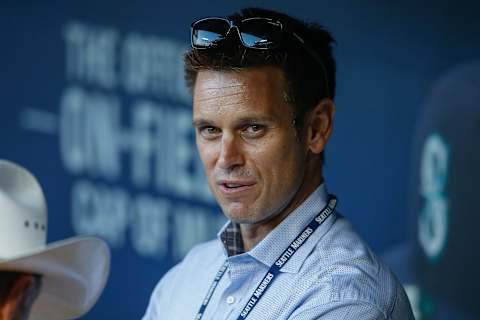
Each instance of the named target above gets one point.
<point>231,154</point>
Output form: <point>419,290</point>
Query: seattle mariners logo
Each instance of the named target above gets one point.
<point>433,218</point>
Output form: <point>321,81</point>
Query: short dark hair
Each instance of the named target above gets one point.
<point>305,77</point>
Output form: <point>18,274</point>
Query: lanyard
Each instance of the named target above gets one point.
<point>275,268</point>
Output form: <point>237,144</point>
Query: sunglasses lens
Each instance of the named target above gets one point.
<point>260,33</point>
<point>208,32</point>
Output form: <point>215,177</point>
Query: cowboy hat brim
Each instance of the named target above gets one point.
<point>74,273</point>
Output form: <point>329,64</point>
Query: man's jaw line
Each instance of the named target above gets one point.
<point>253,233</point>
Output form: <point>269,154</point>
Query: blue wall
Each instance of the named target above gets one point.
<point>93,103</point>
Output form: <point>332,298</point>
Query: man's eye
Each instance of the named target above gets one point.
<point>254,129</point>
<point>209,132</point>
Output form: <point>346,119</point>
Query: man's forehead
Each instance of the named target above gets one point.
<point>231,85</point>
<point>250,91</point>
<point>216,84</point>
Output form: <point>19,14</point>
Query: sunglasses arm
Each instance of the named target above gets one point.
<point>317,58</point>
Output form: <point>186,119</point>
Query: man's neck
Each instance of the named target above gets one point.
<point>253,233</point>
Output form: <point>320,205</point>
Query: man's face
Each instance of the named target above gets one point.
<point>254,160</point>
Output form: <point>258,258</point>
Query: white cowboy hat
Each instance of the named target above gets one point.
<point>74,271</point>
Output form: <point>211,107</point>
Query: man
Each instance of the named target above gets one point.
<point>263,86</point>
<point>59,281</point>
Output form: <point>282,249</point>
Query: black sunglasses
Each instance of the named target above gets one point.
<point>254,33</point>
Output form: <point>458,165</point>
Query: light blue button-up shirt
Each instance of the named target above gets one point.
<point>333,276</point>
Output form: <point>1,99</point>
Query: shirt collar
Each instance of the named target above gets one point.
<point>273,245</point>
<point>231,237</point>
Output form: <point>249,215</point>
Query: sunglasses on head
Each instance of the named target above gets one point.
<point>254,33</point>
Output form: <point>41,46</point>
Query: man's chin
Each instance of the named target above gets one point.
<point>238,213</point>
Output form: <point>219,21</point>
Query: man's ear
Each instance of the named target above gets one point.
<point>319,124</point>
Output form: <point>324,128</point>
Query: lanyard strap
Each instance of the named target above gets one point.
<point>215,282</point>
<point>274,270</point>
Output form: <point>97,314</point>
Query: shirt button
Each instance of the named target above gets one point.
<point>230,299</point>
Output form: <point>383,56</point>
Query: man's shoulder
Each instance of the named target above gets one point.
<point>185,279</point>
<point>203,255</point>
<point>209,248</point>
<point>196,265</point>
<point>346,267</point>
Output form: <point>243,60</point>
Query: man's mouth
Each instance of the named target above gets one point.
<point>235,187</point>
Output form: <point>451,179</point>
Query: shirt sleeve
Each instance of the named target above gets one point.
<point>344,310</point>
<point>159,296</point>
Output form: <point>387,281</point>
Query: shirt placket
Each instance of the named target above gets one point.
<point>234,287</point>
